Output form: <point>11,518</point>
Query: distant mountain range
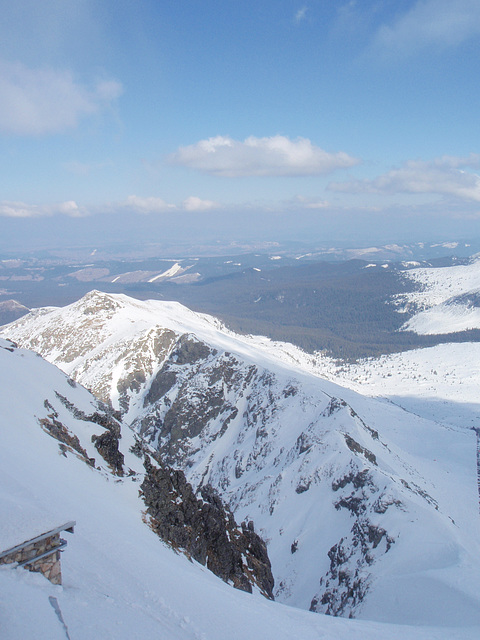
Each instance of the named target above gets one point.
<point>348,310</point>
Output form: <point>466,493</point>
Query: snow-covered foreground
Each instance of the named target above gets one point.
<point>119,580</point>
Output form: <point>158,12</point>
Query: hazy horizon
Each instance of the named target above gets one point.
<point>212,121</point>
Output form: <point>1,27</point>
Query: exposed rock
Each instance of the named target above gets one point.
<point>205,529</point>
<point>347,581</point>
<point>190,350</point>
<point>304,443</point>
<point>354,446</point>
<point>107,446</point>
<point>59,431</point>
<point>302,487</point>
<point>358,479</point>
<point>353,503</point>
<point>334,405</point>
<point>161,385</point>
<point>107,443</point>
<point>383,503</point>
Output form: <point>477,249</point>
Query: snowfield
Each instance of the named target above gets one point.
<point>448,299</point>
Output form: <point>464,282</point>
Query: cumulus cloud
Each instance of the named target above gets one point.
<point>43,101</point>
<point>23,210</point>
<point>443,176</point>
<point>274,156</point>
<point>197,204</point>
<point>147,205</point>
<point>429,23</point>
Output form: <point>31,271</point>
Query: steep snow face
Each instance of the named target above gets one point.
<point>448,299</point>
<point>362,503</point>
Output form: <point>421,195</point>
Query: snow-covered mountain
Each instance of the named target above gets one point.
<point>119,580</point>
<point>10,310</point>
<point>368,510</point>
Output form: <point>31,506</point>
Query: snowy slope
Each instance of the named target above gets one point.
<point>441,382</point>
<point>448,299</point>
<point>119,580</point>
<point>364,506</point>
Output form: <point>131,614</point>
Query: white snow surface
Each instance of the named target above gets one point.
<point>119,580</point>
<point>439,308</point>
<point>169,273</point>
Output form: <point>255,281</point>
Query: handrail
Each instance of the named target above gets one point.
<point>43,555</point>
<point>68,526</point>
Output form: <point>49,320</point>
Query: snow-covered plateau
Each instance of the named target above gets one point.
<point>447,299</point>
<point>368,505</point>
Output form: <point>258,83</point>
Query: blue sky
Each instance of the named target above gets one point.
<point>353,121</point>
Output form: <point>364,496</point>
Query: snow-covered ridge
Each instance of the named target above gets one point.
<point>447,301</point>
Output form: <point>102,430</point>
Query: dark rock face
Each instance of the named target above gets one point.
<point>205,529</point>
<point>354,446</point>
<point>107,443</point>
<point>52,425</point>
<point>107,446</point>
<point>190,350</point>
<point>189,392</point>
<point>347,581</point>
<point>161,384</point>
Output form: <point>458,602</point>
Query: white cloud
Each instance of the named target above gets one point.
<point>197,204</point>
<point>429,23</point>
<point>158,205</point>
<point>274,156</point>
<point>147,205</point>
<point>43,101</point>
<point>23,210</point>
<point>319,204</point>
<point>301,15</point>
<point>443,176</point>
<point>311,203</point>
<point>71,209</point>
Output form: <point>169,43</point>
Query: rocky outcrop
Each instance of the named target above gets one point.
<point>52,425</point>
<point>107,443</point>
<point>205,529</point>
<point>191,391</point>
<point>107,446</point>
<point>348,579</point>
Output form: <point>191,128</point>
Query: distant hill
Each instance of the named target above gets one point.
<point>11,310</point>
